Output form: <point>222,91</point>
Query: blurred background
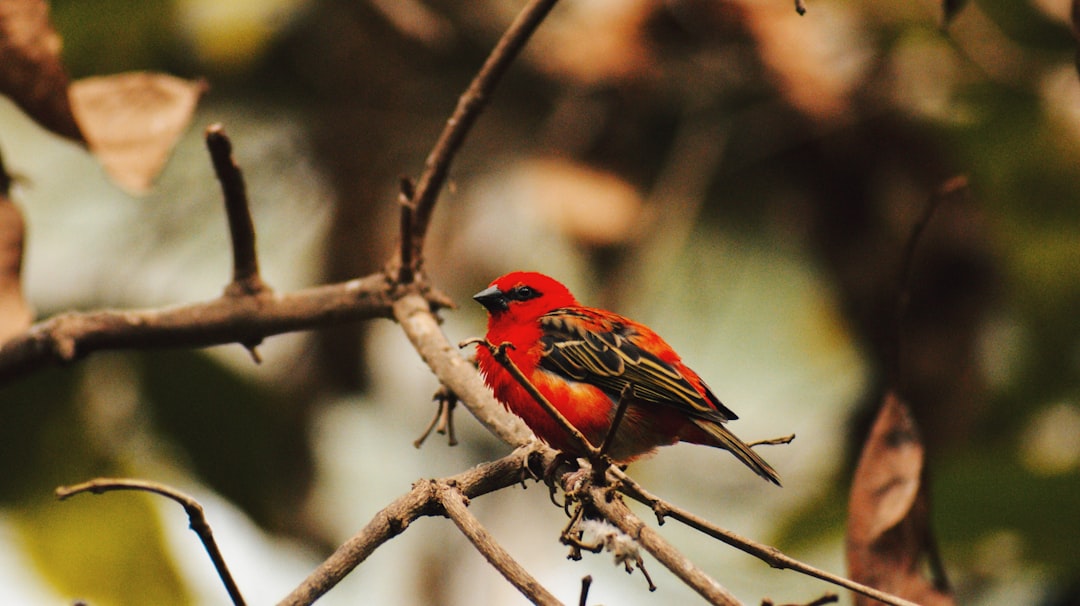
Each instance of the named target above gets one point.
<point>741,178</point>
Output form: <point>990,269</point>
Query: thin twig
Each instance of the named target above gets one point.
<point>586,583</point>
<point>788,439</point>
<point>828,598</point>
<point>196,518</point>
<point>443,421</point>
<point>454,503</point>
<point>246,279</point>
<point>406,272</point>
<point>768,554</point>
<point>620,411</point>
<point>469,106</point>
<point>948,190</point>
<point>500,355</point>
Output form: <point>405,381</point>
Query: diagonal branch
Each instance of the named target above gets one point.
<point>422,500</point>
<point>469,106</point>
<point>413,313</point>
<point>454,502</point>
<point>616,512</point>
<point>766,553</point>
<point>196,518</point>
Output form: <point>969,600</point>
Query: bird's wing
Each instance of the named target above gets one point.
<point>604,350</point>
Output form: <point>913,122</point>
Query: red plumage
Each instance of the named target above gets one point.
<point>580,358</point>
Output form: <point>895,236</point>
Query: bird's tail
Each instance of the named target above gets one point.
<point>727,440</point>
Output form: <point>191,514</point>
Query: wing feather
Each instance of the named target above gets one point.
<point>603,351</point>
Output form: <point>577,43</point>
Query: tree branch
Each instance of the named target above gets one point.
<point>413,313</point>
<point>768,554</point>
<point>242,319</point>
<point>616,512</point>
<point>196,518</point>
<point>469,106</point>
<point>455,505</point>
<point>246,278</point>
<point>422,500</point>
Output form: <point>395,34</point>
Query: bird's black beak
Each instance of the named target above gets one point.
<point>493,299</point>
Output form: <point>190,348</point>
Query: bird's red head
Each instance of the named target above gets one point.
<point>524,295</point>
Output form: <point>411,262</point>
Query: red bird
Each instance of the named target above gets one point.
<point>581,358</point>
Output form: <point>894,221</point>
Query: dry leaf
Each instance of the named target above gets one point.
<point>15,316</point>
<point>593,207</point>
<point>889,538</point>
<point>31,73</point>
<point>132,121</point>
<point>571,44</point>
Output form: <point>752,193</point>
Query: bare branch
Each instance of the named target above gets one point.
<point>406,273</point>
<point>443,421</point>
<point>454,502</point>
<point>246,278</point>
<point>413,313</point>
<point>616,512</point>
<point>768,554</point>
<point>782,440</point>
<point>70,336</point>
<point>469,106</point>
<point>196,518</point>
<point>586,583</point>
<point>949,190</point>
<point>421,501</point>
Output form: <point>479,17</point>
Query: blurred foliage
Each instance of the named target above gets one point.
<point>826,134</point>
<point>108,550</point>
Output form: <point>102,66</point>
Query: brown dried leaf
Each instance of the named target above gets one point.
<point>889,537</point>
<point>31,73</point>
<point>593,207</point>
<point>132,121</point>
<point>15,316</point>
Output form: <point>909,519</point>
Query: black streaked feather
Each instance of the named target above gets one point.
<point>610,359</point>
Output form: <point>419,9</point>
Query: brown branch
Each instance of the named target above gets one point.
<point>586,583</point>
<point>469,106</point>
<point>616,512</point>
<point>768,554</point>
<point>828,598</point>
<point>406,273</point>
<point>443,421</point>
<point>71,336</point>
<point>948,190</point>
<point>194,511</point>
<point>782,440</point>
<point>455,505</point>
<point>413,313</point>
<point>246,279</point>
<point>422,500</point>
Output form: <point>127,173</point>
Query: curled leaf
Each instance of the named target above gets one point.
<point>889,537</point>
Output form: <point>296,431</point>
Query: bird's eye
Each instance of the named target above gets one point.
<point>524,293</point>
